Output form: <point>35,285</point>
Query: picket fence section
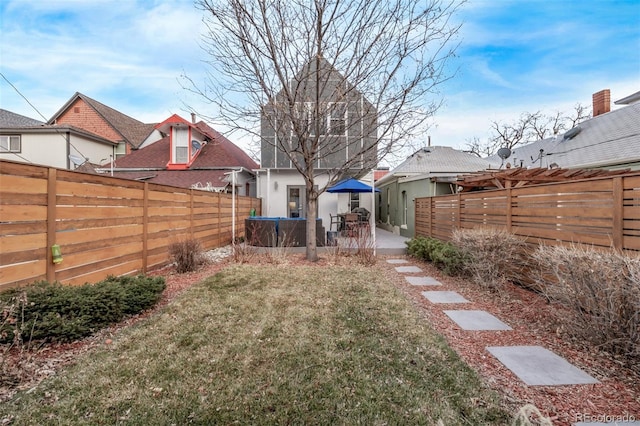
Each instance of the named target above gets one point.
<point>103,225</point>
<point>599,212</point>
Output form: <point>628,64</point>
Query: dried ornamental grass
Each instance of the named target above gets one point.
<point>494,255</point>
<point>602,289</point>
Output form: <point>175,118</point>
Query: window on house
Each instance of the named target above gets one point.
<point>295,201</point>
<point>309,121</point>
<point>10,143</point>
<point>354,200</point>
<point>182,154</point>
<point>404,207</point>
<point>337,113</point>
<point>121,149</point>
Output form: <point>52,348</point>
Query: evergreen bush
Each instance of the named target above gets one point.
<point>443,255</point>
<point>53,312</point>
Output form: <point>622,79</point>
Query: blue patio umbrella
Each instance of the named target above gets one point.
<point>350,185</point>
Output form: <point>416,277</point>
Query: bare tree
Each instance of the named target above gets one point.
<point>267,58</point>
<point>529,127</point>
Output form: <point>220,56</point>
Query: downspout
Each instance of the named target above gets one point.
<point>268,191</point>
<point>372,216</point>
<point>68,139</point>
<point>233,206</point>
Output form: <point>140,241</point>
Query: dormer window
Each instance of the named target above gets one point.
<point>180,140</point>
<point>185,139</point>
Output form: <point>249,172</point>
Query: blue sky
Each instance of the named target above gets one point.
<point>514,56</point>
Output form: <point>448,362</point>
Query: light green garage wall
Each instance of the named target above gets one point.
<point>396,202</point>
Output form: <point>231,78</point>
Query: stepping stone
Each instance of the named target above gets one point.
<point>397,261</point>
<point>537,366</point>
<point>408,269</point>
<point>422,281</point>
<point>444,297</point>
<point>476,320</point>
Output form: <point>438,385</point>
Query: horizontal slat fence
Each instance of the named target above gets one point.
<point>600,212</point>
<point>104,225</point>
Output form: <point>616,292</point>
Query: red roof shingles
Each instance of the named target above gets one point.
<point>179,178</point>
<point>155,155</point>
<point>216,158</point>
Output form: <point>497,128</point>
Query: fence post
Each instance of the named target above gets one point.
<point>219,195</point>
<point>458,214</point>
<point>145,227</point>
<point>618,212</point>
<point>509,207</point>
<point>431,202</point>
<point>191,212</point>
<point>52,195</point>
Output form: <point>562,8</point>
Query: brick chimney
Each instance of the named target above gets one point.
<point>601,102</point>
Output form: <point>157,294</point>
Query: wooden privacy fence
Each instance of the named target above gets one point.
<point>600,212</point>
<point>103,225</point>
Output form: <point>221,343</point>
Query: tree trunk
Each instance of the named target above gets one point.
<point>312,214</point>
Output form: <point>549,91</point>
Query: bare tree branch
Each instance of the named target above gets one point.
<point>267,58</point>
<point>529,127</point>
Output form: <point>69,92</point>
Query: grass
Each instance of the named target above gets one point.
<point>271,345</point>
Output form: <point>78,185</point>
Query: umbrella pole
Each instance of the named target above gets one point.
<point>372,216</point>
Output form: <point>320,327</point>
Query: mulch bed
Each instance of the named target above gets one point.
<point>533,320</point>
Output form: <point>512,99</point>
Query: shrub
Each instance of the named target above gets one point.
<point>495,256</point>
<point>449,258</point>
<point>187,255</point>
<point>602,290</point>
<point>53,312</point>
<point>444,255</point>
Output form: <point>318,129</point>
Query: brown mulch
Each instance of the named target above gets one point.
<point>533,320</point>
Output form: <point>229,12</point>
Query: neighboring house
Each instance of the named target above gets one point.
<point>610,140</point>
<point>427,172</point>
<point>191,155</point>
<point>347,133</point>
<point>68,147</point>
<point>128,133</point>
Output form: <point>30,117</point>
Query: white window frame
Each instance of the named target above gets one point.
<point>121,150</point>
<point>336,113</point>
<point>11,143</point>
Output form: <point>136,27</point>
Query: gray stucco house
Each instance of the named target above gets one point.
<point>322,106</point>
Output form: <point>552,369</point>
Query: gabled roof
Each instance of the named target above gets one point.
<point>10,119</point>
<point>607,140</point>
<point>132,131</point>
<point>219,152</point>
<point>52,129</point>
<point>634,97</point>
<point>438,161</point>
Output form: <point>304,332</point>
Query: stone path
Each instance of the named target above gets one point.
<point>534,365</point>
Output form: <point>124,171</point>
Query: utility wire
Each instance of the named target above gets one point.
<point>45,119</point>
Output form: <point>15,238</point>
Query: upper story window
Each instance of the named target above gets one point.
<point>10,143</point>
<point>121,149</point>
<point>337,118</point>
<point>331,120</point>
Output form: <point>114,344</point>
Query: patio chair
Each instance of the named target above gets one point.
<point>351,223</point>
<point>364,215</point>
